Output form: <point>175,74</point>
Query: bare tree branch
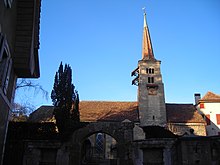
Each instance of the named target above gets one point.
<point>28,84</point>
<point>23,107</point>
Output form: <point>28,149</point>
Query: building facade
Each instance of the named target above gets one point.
<point>209,108</point>
<point>19,43</point>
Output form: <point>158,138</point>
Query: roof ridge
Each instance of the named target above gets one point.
<point>179,103</point>
<point>210,95</point>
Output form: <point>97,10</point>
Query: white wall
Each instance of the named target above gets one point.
<point>211,109</point>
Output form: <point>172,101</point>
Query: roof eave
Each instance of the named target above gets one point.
<point>26,58</point>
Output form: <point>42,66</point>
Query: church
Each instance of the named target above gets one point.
<point>146,131</point>
<point>150,108</point>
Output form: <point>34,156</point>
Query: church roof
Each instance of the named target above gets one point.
<point>210,97</point>
<point>183,113</point>
<point>92,111</point>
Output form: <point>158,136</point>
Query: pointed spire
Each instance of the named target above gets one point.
<point>147,50</point>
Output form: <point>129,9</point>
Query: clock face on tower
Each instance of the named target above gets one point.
<point>152,91</point>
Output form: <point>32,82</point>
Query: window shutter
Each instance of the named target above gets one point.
<point>218,119</point>
<point>201,105</point>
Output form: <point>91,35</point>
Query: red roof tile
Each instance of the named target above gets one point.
<point>211,97</point>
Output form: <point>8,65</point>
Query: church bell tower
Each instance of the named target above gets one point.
<point>148,78</point>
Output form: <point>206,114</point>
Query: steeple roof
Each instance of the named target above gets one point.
<point>147,50</point>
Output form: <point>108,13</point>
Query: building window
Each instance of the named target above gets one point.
<point>201,105</point>
<point>99,144</point>
<point>5,64</point>
<point>150,70</point>
<point>218,119</point>
<point>207,118</point>
<point>8,3</point>
<point>150,79</point>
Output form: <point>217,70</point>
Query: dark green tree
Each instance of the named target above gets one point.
<point>65,99</point>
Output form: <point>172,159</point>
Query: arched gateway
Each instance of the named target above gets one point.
<point>122,132</point>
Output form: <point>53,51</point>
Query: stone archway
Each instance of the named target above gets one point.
<point>122,132</point>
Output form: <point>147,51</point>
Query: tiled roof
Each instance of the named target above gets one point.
<point>108,111</point>
<point>91,111</point>
<point>183,113</point>
<point>44,113</point>
<point>210,96</point>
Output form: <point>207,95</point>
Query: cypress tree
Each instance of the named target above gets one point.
<point>65,99</point>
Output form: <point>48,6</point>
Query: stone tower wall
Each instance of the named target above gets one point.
<point>151,95</point>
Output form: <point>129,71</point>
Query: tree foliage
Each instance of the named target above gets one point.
<point>65,99</point>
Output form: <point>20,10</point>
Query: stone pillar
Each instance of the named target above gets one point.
<point>137,155</point>
<point>167,156</point>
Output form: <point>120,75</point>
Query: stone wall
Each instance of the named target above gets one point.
<point>151,101</point>
<point>43,152</point>
<point>168,151</point>
<point>199,150</point>
<point>184,128</point>
<point>155,151</point>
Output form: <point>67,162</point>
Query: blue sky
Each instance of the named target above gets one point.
<point>102,39</point>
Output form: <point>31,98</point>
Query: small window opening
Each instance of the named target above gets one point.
<point>150,70</point>
<point>150,79</point>
<point>153,117</point>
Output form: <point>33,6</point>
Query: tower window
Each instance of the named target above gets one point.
<point>150,70</point>
<point>150,79</point>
